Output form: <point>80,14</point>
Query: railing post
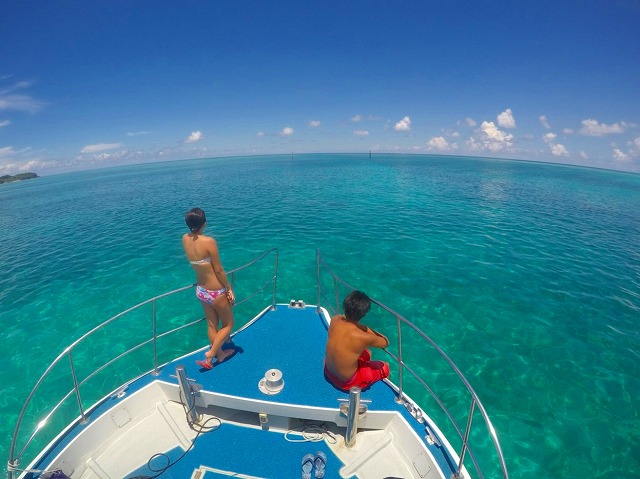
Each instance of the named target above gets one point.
<point>275,283</point>
<point>76,387</point>
<point>318,277</point>
<point>400,398</point>
<point>353,414</point>
<point>155,338</point>
<point>465,441</point>
<point>188,394</point>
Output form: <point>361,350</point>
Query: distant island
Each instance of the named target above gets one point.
<point>21,176</point>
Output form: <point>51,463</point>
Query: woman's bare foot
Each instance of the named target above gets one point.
<point>224,354</point>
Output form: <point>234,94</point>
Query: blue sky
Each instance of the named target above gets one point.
<point>89,84</point>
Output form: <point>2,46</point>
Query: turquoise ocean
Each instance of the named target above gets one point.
<point>526,274</point>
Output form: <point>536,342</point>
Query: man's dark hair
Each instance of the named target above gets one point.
<point>356,304</point>
<point>195,219</point>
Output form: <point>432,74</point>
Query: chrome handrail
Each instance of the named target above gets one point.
<point>400,321</point>
<point>68,352</point>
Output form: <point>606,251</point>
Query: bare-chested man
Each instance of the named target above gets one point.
<point>347,359</point>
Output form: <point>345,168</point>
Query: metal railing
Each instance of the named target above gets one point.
<point>14,459</point>
<point>403,366</point>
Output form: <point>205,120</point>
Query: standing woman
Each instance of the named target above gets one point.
<point>213,288</point>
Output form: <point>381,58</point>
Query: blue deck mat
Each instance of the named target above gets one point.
<point>293,342</point>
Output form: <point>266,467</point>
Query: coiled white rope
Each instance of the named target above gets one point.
<point>312,433</point>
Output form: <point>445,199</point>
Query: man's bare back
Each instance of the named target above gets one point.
<point>346,342</point>
<point>347,361</point>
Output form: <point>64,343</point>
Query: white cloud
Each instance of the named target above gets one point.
<point>567,131</point>
<point>138,133</point>
<point>4,123</point>
<point>361,133</point>
<point>356,118</point>
<point>555,148</point>
<point>471,122</point>
<point>544,122</point>
<point>584,155</point>
<point>403,125</point>
<point>100,147</point>
<point>6,151</point>
<point>18,102</point>
<point>260,134</point>
<point>194,136</point>
<point>439,143</point>
<point>21,85</point>
<point>506,120</point>
<point>558,150</point>
<point>637,142</point>
<point>18,161</point>
<point>11,168</point>
<point>30,165</point>
<point>619,155</point>
<point>491,138</point>
<point>99,157</point>
<point>591,127</point>
<point>314,123</point>
<point>287,131</point>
